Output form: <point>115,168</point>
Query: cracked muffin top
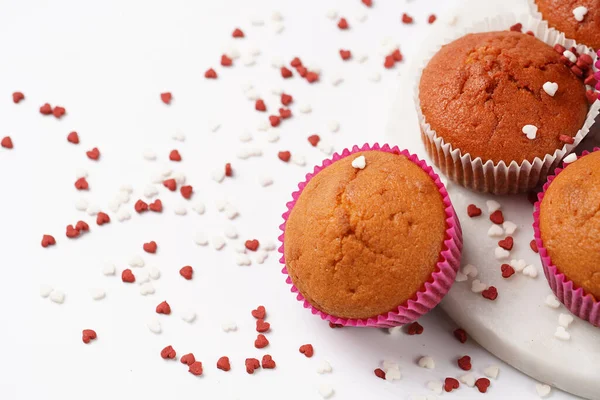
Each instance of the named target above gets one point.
<point>361,242</point>
<point>561,15</point>
<point>570,223</point>
<point>480,91</point>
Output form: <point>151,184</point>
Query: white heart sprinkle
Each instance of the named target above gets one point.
<point>261,256</point>
<point>123,197</point>
<point>325,147</point>
<point>518,265</point>
<point>333,126</point>
<point>199,207</point>
<point>136,261</point>
<point>570,55</point>
<point>460,277</point>
<point>150,191</point>
<point>571,158</point>
<point>229,327</point>
<point>530,271</point>
<point>272,136</point>
<point>97,294</point>
<point>252,94</point>
<point>180,210</point>
<point>123,215</point>
<point>501,253</point>
<point>470,270</point>
<point>154,326</point>
<point>359,162</point>
<point>114,205</point>
<point>57,296</point>
<point>426,362</point>
<point>265,181</point>
<point>179,177</point>
<point>324,368</point>
<point>468,380</point>
<point>108,269</point>
<point>230,211</point>
<point>230,232</point>
<point>362,57</point>
<point>93,210</point>
<point>492,371</point>
<point>81,173</point>
<point>45,290</point>
<point>81,204</point>
<point>565,320</point>
<point>154,273</point>
<point>200,239</point>
<point>374,76</point>
<point>580,12</point>
<point>396,330</point>
<point>243,260</point>
<point>509,227</point>
<point>146,288</point>
<point>388,364</point>
<point>393,374</point>
<point>492,205</point>
<point>435,386</point>
<point>248,60</point>
<point>232,52</point>
<point>325,391</point>
<point>245,137</point>
<point>530,131</point>
<point>551,301</point>
<point>562,334</point>
<point>299,160</point>
<point>188,316</point>
<point>269,245</point>
<point>142,277</point>
<point>542,390</point>
<point>331,14</point>
<point>305,108</point>
<point>149,155</point>
<point>240,248</point>
<point>276,62</point>
<point>477,286</point>
<point>218,242</point>
<point>495,231</point>
<point>550,88</point>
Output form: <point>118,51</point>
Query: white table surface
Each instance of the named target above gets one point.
<point>107,63</point>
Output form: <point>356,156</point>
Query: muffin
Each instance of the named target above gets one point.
<point>368,234</point>
<point>579,20</point>
<point>567,230</point>
<point>482,96</point>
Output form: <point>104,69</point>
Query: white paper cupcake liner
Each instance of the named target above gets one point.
<point>500,178</point>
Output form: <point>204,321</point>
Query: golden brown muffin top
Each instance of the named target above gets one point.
<point>570,222</point>
<point>479,91</point>
<point>559,14</point>
<point>361,242</point>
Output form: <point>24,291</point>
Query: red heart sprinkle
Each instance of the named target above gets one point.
<point>314,140</point>
<point>186,191</point>
<point>302,71</point>
<point>312,77</point>
<point>226,61</point>
<point>345,54</point>
<point>88,334</point>
<point>6,142</point>
<point>591,96</point>
<point>251,365</point>
<point>82,226</point>
<point>473,211</point>
<point>342,24</point>
<point>127,276</point>
<point>73,137</point>
<point>307,350</point>
<point>274,120</point>
<point>210,74</point>
<point>464,363</point>
<point>261,341</point>
<point>389,61</point>
<point>407,19</point>
<point>286,99</point>
<point>379,373</point>
<point>518,27</point>
<point>252,245</point>
<point>72,232</point>
<point>163,308</point>
<point>432,18</point>
<point>166,97</point>
<point>196,368</point>
<point>507,271</point>
<point>286,73</point>
<point>450,384</point>
<point>81,184</point>
<point>507,243</point>
<point>188,359</point>
<point>482,384</point>
<point>260,105</point>
<point>150,247</point>
<point>414,329</point>
<point>490,293</point>
<point>285,113</point>
<point>223,363</point>
<point>566,139</point>
<point>262,326</point>
<point>170,184</point>
<point>168,353</point>
<point>268,362</point>
<point>102,218</point>
<point>174,155</point>
<point>296,62</point>
<point>460,335</point>
<point>48,240</point>
<point>497,217</point>
<point>284,156</point>
<point>259,313</point>
<point>140,206</point>
<point>187,272</point>
<point>93,154</point>
<point>237,33</point>
<point>46,109</point>
<point>58,111</point>
<point>397,56</point>
<point>367,3</point>
<point>533,246</point>
<point>17,97</point>
<point>228,170</point>
<point>156,206</point>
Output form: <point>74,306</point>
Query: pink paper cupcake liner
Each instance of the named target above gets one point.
<point>441,279</point>
<point>574,298</point>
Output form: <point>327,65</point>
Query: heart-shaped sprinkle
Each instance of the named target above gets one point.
<point>495,231</point>
<point>73,137</point>
<point>580,12</point>
<point>414,329</point>
<point>146,289</point>
<point>490,293</point>
<point>435,386</point>
<point>58,111</point>
<point>460,335</point>
<point>518,265</point>
<point>307,350</point>
<point>530,131</point>
<point>150,247</point>
<point>268,362</point>
<point>82,226</point>
<point>237,33</point>
<point>251,365</point>
<point>127,276</point>
<point>48,240</point>
<point>156,206</point>
<point>168,353</point>
<point>284,156</point>
<point>325,391</point>
<point>252,245</point>
<point>501,254</point>
<point>154,326</point>
<point>393,374</point>
<point>186,191</point>
<point>530,271</point>
<point>196,368</point>
<point>507,243</point>
<point>259,313</point>
<point>46,109</point>
<point>88,335</point>
<point>223,364</point>
<point>324,368</point>
<point>102,218</point>
<point>542,390</point>
<point>477,286</point>
<point>93,154</point>
<point>345,54</point>
<point>274,120</point>
<point>473,211</point>
<point>174,155</point>
<point>359,162</point>
<point>550,88</point>
<point>565,320</point>
<point>286,99</point>
<point>166,97</point>
<point>470,270</point>
<point>188,359</point>
<point>507,271</point>
<point>186,272</point>
<point>426,362</point>
<point>262,326</point>
<point>163,308</point>
<point>343,24</point>
<point>379,373</point>
<point>497,217</point>
<point>533,246</point>
<point>72,232</point>
<point>482,384</point>
<point>260,105</point>
<point>467,379</point>
<point>210,74</point>
<point>81,184</point>
<point>285,113</point>
<point>6,142</point>
<point>261,341</point>
<point>509,227</point>
<point>229,327</point>
<point>460,277</point>
<point>285,72</point>
<point>551,301</point>
<point>464,363</point>
<point>492,371</point>
<point>450,384</point>
<point>17,97</point>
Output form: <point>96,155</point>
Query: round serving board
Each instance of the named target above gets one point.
<point>518,326</point>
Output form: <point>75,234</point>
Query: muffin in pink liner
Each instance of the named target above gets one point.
<point>567,234</point>
<point>375,231</point>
